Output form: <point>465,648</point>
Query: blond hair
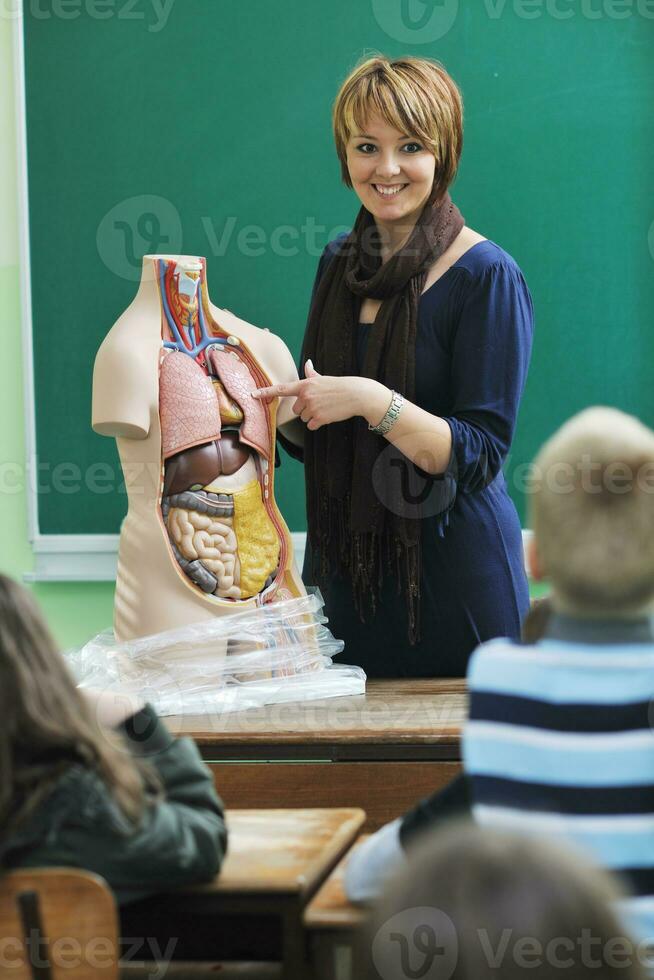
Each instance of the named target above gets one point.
<point>414,95</point>
<point>592,511</point>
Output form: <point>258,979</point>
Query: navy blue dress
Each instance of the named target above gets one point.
<point>473,345</point>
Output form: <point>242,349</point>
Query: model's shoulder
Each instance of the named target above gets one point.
<point>250,333</point>
<point>279,362</point>
<point>260,339</point>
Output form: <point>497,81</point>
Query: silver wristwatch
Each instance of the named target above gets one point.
<point>392,413</point>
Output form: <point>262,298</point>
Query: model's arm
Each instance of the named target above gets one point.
<point>122,383</point>
<point>288,424</point>
<point>294,432</point>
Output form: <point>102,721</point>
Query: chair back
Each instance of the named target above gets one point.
<point>57,923</point>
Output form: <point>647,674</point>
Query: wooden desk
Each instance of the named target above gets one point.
<point>276,861</point>
<point>332,925</point>
<point>381,751</point>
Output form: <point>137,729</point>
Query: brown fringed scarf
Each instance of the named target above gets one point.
<point>350,522</point>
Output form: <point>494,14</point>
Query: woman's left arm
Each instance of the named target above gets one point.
<point>490,350</point>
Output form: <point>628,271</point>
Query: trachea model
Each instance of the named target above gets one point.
<point>172,383</point>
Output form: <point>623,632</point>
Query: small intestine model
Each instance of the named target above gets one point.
<point>172,383</point>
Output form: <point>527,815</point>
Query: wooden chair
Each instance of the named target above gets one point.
<point>57,923</point>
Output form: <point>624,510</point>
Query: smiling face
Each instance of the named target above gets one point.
<point>391,172</point>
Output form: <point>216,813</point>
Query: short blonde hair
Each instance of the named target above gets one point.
<point>414,95</point>
<point>592,512</point>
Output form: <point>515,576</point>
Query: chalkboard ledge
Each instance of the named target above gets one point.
<point>93,557</point>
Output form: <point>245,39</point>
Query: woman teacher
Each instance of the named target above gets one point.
<point>414,361</point>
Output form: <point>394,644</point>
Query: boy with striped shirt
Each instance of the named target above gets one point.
<point>559,741</point>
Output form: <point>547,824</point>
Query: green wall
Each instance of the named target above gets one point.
<point>74,610</point>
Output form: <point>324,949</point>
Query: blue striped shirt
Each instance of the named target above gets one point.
<point>559,742</point>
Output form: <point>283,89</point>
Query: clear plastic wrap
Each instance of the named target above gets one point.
<point>281,651</point>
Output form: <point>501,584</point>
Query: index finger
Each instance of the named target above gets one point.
<point>283,390</point>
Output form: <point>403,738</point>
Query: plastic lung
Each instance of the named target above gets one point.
<point>188,407</point>
<point>239,383</point>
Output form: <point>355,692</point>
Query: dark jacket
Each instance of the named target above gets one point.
<point>180,840</point>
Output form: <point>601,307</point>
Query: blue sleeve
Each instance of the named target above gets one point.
<point>490,351</point>
<point>372,862</point>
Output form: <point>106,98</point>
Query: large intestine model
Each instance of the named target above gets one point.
<point>203,535</point>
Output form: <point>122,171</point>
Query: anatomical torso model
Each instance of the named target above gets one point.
<point>172,383</point>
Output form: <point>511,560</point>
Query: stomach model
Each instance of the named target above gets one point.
<point>225,532</point>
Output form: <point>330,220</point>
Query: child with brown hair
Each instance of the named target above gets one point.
<point>89,782</point>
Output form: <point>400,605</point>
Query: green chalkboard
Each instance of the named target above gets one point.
<point>203,126</point>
